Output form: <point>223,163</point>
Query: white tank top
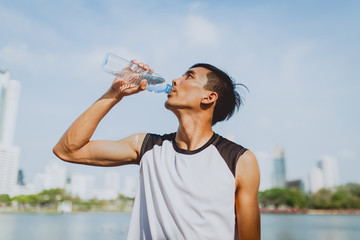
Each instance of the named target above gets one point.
<point>185,194</point>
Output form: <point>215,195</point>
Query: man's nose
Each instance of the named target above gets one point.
<point>175,81</point>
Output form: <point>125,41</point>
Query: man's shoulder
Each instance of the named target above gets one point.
<point>157,139</point>
<point>230,151</point>
<point>152,139</point>
<point>226,145</point>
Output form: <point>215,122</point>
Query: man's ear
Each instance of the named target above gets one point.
<point>209,98</point>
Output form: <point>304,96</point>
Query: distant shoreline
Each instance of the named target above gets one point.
<point>54,211</point>
<point>312,211</point>
<point>262,210</point>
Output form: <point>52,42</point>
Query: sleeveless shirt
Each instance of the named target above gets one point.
<point>185,194</point>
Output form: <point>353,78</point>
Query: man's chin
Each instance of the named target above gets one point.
<point>170,106</point>
<point>167,105</point>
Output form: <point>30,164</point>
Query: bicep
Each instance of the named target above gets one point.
<point>110,153</point>
<point>247,209</point>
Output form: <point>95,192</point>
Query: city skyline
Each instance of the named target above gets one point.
<point>56,175</point>
<point>296,59</point>
<point>324,174</point>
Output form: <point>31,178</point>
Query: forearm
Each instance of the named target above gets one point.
<point>80,132</point>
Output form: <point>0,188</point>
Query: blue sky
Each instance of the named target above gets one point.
<point>298,59</point>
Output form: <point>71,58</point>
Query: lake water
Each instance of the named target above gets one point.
<point>111,226</point>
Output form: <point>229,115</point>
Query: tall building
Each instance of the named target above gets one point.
<point>295,184</point>
<point>130,186</point>
<point>112,187</point>
<point>20,178</point>
<point>112,181</point>
<point>9,100</point>
<point>316,180</point>
<point>9,157</point>
<point>82,185</point>
<point>324,175</point>
<point>279,170</point>
<point>330,170</point>
<point>54,177</point>
<point>9,154</point>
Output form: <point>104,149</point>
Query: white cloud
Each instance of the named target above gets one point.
<point>20,58</point>
<point>345,153</point>
<point>264,122</point>
<point>20,28</point>
<point>200,31</point>
<point>195,6</point>
<point>292,65</point>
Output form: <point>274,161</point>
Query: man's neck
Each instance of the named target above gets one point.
<point>193,132</point>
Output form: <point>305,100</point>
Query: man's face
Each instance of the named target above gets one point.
<point>188,90</point>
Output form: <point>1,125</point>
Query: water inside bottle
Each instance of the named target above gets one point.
<point>132,74</point>
<point>128,76</point>
<point>153,80</point>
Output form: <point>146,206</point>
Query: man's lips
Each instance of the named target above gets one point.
<point>172,90</point>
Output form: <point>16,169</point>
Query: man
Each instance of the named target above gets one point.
<point>194,184</point>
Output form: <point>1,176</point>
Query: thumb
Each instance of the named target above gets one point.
<point>142,85</point>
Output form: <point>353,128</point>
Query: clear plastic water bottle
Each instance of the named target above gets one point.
<point>132,73</point>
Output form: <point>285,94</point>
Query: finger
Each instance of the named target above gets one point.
<point>133,65</point>
<point>128,87</point>
<point>141,67</point>
<point>142,84</point>
<point>139,88</point>
<point>150,71</point>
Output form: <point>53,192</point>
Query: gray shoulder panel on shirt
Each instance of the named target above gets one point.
<point>151,140</point>
<point>229,151</point>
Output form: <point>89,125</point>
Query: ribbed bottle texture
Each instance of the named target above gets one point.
<point>131,73</point>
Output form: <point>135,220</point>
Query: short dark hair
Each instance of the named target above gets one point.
<point>229,100</point>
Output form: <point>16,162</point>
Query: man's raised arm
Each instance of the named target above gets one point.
<point>75,145</point>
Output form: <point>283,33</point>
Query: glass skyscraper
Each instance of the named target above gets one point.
<point>279,170</point>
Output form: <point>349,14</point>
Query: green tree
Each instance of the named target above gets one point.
<point>321,199</point>
<point>52,196</point>
<point>292,197</point>
<point>273,196</point>
<point>32,199</point>
<point>341,198</point>
<point>344,197</point>
<point>295,198</point>
<point>5,199</point>
<point>354,188</point>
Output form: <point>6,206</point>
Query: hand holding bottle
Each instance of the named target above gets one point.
<point>127,82</point>
<point>133,73</point>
